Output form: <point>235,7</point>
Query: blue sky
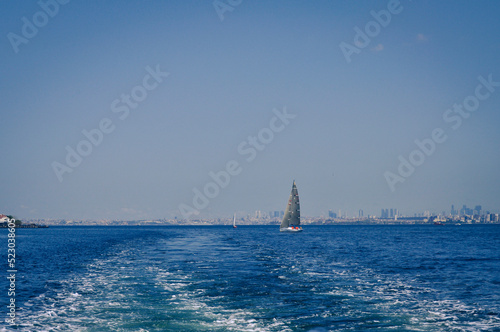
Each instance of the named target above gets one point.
<point>352,119</point>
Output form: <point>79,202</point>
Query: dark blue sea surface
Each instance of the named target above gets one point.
<point>254,278</point>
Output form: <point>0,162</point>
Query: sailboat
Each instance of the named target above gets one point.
<point>234,220</point>
<point>291,219</point>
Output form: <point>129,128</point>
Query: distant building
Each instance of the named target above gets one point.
<point>360,213</point>
<point>274,214</point>
<point>389,213</point>
<point>466,211</point>
<point>492,217</point>
<point>331,214</point>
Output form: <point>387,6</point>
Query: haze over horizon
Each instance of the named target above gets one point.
<point>163,93</point>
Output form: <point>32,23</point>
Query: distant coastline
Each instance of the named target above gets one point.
<point>43,223</point>
<point>7,221</point>
<point>6,225</point>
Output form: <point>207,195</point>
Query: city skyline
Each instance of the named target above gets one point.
<point>150,110</point>
<point>385,213</point>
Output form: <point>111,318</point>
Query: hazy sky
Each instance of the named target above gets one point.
<point>349,105</point>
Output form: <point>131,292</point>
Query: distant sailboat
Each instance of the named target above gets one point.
<point>234,220</point>
<point>291,219</point>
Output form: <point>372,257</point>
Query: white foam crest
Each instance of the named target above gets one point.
<point>392,296</point>
<point>212,316</point>
<point>78,298</point>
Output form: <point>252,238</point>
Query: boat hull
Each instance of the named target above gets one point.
<point>291,230</point>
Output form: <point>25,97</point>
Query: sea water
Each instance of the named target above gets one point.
<point>254,278</point>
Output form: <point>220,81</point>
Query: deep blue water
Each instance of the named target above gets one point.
<point>254,278</point>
